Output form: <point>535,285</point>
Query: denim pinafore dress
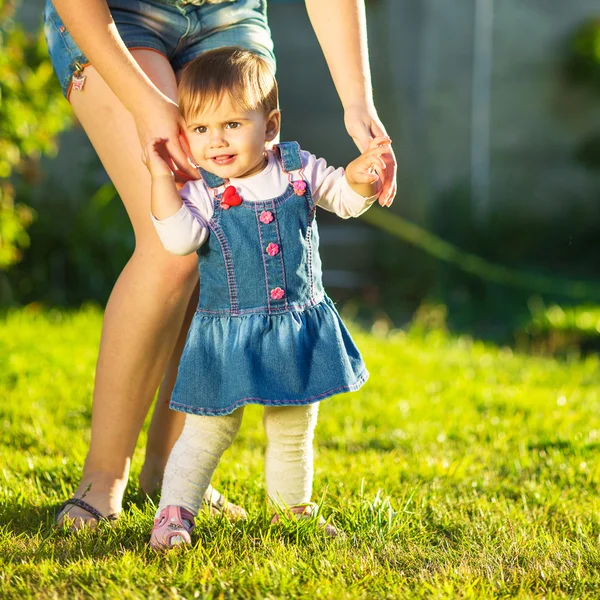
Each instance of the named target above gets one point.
<point>264,331</point>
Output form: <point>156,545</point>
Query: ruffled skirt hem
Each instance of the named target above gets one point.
<point>217,412</point>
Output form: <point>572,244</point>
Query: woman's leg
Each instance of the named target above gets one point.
<point>146,308</point>
<point>166,424</point>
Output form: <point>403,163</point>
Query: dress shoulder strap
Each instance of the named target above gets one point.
<point>289,155</point>
<point>212,181</point>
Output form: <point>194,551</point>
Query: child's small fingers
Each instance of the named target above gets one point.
<point>381,149</point>
<point>157,142</point>
<point>376,162</point>
<point>379,140</point>
<point>377,152</point>
<point>366,177</point>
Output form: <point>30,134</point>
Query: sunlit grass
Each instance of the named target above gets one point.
<point>460,470</point>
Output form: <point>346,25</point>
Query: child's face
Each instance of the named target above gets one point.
<point>228,141</point>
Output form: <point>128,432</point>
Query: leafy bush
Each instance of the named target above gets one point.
<point>81,241</point>
<point>32,113</point>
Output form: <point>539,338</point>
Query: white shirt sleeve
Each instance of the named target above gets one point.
<point>185,231</point>
<point>331,190</point>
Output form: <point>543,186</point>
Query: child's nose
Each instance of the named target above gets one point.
<point>217,138</point>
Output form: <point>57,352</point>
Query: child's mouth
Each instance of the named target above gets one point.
<point>223,159</point>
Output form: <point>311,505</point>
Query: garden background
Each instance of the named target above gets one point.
<point>468,465</point>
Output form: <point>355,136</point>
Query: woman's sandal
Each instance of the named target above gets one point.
<point>173,526</point>
<point>63,512</point>
<point>307,511</point>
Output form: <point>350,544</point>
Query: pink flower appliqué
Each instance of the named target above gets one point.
<point>272,249</point>
<point>266,216</point>
<point>277,293</point>
<point>299,187</point>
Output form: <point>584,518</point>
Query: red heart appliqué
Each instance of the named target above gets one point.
<point>230,198</point>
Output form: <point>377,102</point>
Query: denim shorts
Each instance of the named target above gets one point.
<point>178,29</point>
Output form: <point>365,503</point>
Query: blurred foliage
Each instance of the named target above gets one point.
<point>32,113</point>
<point>556,329</point>
<point>580,319</point>
<point>79,246</point>
<point>583,58</point>
<point>583,68</point>
<point>588,153</point>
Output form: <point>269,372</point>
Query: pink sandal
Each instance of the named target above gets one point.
<point>307,511</point>
<point>172,527</point>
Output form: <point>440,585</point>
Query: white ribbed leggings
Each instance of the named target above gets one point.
<point>288,457</point>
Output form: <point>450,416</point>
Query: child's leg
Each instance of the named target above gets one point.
<point>194,458</point>
<point>289,455</point>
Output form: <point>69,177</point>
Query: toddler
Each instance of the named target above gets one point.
<point>264,331</point>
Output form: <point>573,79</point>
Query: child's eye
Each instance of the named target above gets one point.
<point>200,129</point>
<point>233,125</point>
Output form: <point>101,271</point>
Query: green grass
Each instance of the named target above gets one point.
<point>461,470</point>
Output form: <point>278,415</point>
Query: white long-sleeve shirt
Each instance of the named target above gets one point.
<point>186,230</point>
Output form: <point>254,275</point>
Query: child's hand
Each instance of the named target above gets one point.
<point>361,174</point>
<point>155,157</point>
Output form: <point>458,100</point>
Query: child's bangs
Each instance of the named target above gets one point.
<point>207,99</point>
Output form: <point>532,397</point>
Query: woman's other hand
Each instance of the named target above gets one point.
<point>363,125</point>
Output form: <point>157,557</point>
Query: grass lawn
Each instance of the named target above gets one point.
<point>461,470</point>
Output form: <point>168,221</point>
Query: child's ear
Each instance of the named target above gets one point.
<point>273,125</point>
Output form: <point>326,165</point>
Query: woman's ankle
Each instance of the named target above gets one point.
<point>104,483</point>
<point>151,476</point>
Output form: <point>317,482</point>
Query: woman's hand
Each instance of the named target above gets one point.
<point>363,125</point>
<point>160,120</point>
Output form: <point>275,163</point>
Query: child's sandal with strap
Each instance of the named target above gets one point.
<point>307,511</point>
<point>218,505</point>
<point>173,526</point>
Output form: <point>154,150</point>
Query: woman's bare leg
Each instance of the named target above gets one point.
<point>146,308</point>
<point>166,424</point>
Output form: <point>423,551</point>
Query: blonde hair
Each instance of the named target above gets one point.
<point>245,76</point>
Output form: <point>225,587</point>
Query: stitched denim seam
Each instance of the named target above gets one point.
<point>184,14</point>
<point>285,298</point>
<point>310,259</point>
<point>72,55</point>
<point>262,310</point>
<point>286,150</point>
<point>142,44</point>
<point>263,261</point>
<point>226,410</point>
<point>266,204</point>
<point>309,230</point>
<point>214,227</point>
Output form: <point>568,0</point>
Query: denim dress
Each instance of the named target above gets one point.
<point>264,331</point>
